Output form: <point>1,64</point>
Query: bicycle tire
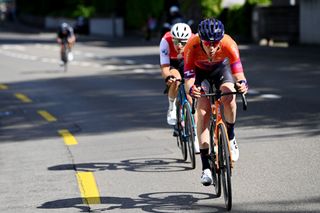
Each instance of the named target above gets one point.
<point>181,139</point>
<point>224,165</point>
<point>65,66</point>
<point>190,133</point>
<point>214,170</point>
<point>64,59</point>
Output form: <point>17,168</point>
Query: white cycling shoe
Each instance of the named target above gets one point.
<point>234,149</point>
<point>172,117</point>
<point>206,177</point>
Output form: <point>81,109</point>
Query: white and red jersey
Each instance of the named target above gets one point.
<point>168,51</point>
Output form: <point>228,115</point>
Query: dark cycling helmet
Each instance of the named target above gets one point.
<point>211,30</point>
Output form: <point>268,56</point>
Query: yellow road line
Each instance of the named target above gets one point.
<point>23,97</point>
<point>68,138</point>
<point>88,188</point>
<point>3,87</point>
<point>46,115</point>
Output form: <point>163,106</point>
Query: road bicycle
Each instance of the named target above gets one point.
<point>185,127</point>
<point>220,155</point>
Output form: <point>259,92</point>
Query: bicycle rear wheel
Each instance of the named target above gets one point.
<point>224,164</point>
<point>190,133</point>
<point>214,170</point>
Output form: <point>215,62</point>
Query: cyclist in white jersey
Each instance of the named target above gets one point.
<point>172,65</point>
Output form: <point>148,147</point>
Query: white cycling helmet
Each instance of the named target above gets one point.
<point>181,31</point>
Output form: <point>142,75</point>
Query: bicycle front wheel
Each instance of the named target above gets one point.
<point>224,164</point>
<point>190,133</point>
<point>181,136</point>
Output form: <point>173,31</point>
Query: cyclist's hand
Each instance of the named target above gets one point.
<point>242,86</point>
<point>195,91</point>
<point>170,79</point>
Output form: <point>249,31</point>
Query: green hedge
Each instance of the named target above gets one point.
<point>137,12</point>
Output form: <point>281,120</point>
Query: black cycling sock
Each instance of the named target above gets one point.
<point>230,129</point>
<point>204,153</point>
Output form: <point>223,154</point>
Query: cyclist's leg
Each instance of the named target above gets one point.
<point>173,89</point>
<point>203,120</point>
<point>230,106</point>
<point>229,101</point>
<point>203,114</point>
<point>172,96</point>
<point>62,50</point>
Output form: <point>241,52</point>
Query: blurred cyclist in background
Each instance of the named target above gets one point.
<point>214,56</point>
<point>65,34</point>
<point>172,63</point>
<point>174,16</point>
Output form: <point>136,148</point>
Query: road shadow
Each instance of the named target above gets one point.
<point>175,202</point>
<point>158,202</point>
<point>148,202</point>
<point>132,165</point>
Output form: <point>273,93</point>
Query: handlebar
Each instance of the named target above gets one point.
<point>218,94</point>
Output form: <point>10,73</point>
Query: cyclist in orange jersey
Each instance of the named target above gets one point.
<point>214,56</point>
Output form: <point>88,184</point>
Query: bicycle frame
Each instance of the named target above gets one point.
<point>65,52</point>
<point>217,111</point>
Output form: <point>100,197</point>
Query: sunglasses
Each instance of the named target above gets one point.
<point>178,41</point>
<point>210,43</point>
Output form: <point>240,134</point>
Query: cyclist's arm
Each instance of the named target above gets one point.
<point>165,70</point>
<point>241,82</point>
<point>188,83</point>
<point>164,58</point>
<point>236,66</point>
<point>239,76</point>
<point>72,38</point>
<point>189,67</point>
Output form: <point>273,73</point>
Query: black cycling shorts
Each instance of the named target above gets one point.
<point>221,73</point>
<point>177,64</point>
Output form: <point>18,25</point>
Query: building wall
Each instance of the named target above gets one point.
<point>309,21</point>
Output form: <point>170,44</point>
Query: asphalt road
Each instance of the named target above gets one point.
<point>107,147</point>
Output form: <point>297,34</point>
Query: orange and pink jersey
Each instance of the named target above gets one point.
<point>196,57</point>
